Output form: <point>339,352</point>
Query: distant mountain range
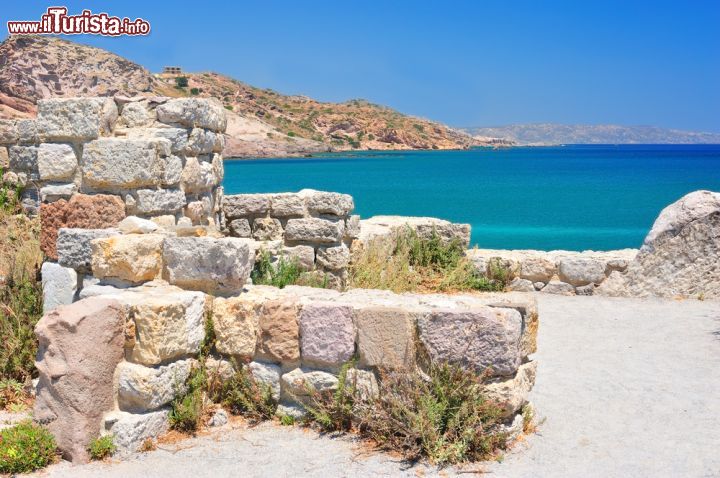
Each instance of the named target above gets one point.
<point>542,134</point>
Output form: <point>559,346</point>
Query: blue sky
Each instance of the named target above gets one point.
<point>466,63</point>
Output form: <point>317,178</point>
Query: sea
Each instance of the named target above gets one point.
<point>575,197</point>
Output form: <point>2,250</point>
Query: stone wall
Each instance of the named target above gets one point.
<point>89,162</point>
<point>313,227</point>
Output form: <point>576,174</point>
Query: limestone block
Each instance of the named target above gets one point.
<point>241,205</point>
<point>79,347</point>
<point>219,369</point>
<point>8,131</point>
<point>27,131</point>
<point>59,285</point>
<point>352,227</point>
<point>142,388</point>
<point>386,337</point>
<point>56,161</point>
<point>198,175</point>
<point>479,338</point>
<point>206,113</point>
<point>304,255</point>
<point>53,192</point>
<point>521,285</point>
<point>130,430</point>
<point>585,289</point>
<point>295,384</point>
<point>580,271</point>
<point>205,263</point>
<point>313,230</point>
<point>132,257</point>
<point>4,158</point>
<point>537,269</point>
<point>320,202</point>
<point>287,205</point>
<point>364,382</point>
<point>240,228</point>
<point>25,159</point>
<point>74,249</point>
<point>201,141</point>
<point>267,229</point>
<point>327,334</point>
<point>166,222</point>
<point>511,394</point>
<point>160,201</point>
<point>136,225</point>
<point>172,170</point>
<point>235,321</point>
<point>279,331</point>
<point>136,114</point>
<point>266,375</point>
<point>75,119</point>
<point>167,325</point>
<point>119,163</point>
<point>333,258</point>
<point>177,136</point>
<point>559,288</point>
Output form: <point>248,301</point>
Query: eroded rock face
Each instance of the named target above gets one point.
<point>142,388</point>
<point>194,113</point>
<point>279,331</point>
<point>327,334</point>
<point>59,285</point>
<point>72,119</point>
<point>511,394</point>
<point>236,326</point>
<point>130,257</point>
<point>386,337</point>
<point>680,256</point>
<point>80,346</point>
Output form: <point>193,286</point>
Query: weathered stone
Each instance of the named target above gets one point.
<point>59,285</point>
<point>205,113</point>
<point>352,226</point>
<point>74,248</point>
<point>198,175</point>
<point>585,289</point>
<point>219,370</point>
<point>25,159</point>
<point>118,163</point>
<point>88,212</point>
<point>267,375</point>
<point>333,258</point>
<point>136,225</point>
<point>240,205</point>
<point>680,255</point>
<point>8,131</point>
<point>56,161</point>
<point>538,285</point>
<point>386,337</point>
<point>75,119</point>
<point>295,384</point>
<point>53,192</point>
<point>559,288</point>
<point>201,141</point>
<point>198,212</point>
<point>172,170</point>
<point>130,430</point>
<point>136,115</point>
<point>142,388</point>
<point>30,201</point>
<point>521,285</point>
<point>287,205</point>
<point>177,136</point>
<point>320,202</point>
<point>167,326</point>
<point>327,334</point>
<point>511,394</point>
<point>290,409</point>
<point>581,271</point>
<point>619,265</point>
<point>313,230</point>
<point>304,255</point>
<point>479,338</point>
<point>79,347</point>
<point>279,332</point>
<point>4,158</point>
<point>209,264</point>
<point>166,222</point>
<point>219,418</point>
<point>240,228</point>
<point>27,131</point>
<point>537,269</point>
<point>160,201</point>
<point>235,321</point>
<point>387,227</point>
<point>267,229</point>
<point>132,257</point>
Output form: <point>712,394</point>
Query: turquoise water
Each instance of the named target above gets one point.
<point>573,197</point>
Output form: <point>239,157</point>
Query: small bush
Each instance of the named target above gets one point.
<point>12,394</point>
<point>187,409</point>
<point>148,445</point>
<point>291,134</point>
<point>26,447</point>
<point>244,396</point>
<point>333,410</point>
<point>181,82</point>
<point>229,107</point>
<point>287,420</point>
<point>284,272</point>
<point>101,447</point>
<point>194,91</point>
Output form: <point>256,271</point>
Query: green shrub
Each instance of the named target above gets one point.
<point>229,107</point>
<point>12,393</point>
<point>181,82</point>
<point>26,447</point>
<point>291,134</point>
<point>287,420</point>
<point>194,91</point>
<point>333,410</point>
<point>245,396</point>
<point>444,417</point>
<point>187,409</point>
<point>101,447</point>
<point>284,272</point>
<point>433,252</point>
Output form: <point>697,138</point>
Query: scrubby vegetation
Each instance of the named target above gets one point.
<point>101,447</point>
<point>12,395</point>
<point>284,272</point>
<point>412,263</point>
<point>26,447</point>
<point>20,288</point>
<point>243,395</point>
<point>442,416</point>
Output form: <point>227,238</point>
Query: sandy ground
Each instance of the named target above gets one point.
<point>629,388</point>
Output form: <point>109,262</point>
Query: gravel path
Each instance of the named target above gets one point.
<point>629,388</point>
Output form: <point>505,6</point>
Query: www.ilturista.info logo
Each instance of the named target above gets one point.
<point>57,22</point>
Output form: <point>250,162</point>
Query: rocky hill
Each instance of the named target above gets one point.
<point>550,134</point>
<point>261,122</point>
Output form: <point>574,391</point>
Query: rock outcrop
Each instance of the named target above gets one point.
<point>680,256</point>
